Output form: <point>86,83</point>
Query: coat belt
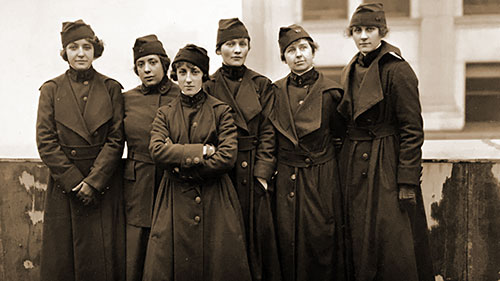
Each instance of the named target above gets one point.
<point>82,152</point>
<point>247,143</point>
<point>303,159</point>
<point>371,133</point>
<point>139,156</point>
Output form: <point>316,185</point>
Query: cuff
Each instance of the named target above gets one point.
<point>69,179</point>
<point>263,169</point>
<point>409,175</point>
<point>192,156</point>
<point>97,180</point>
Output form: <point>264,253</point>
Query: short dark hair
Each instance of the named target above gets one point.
<point>175,65</point>
<point>165,63</point>
<point>314,47</point>
<point>96,42</point>
<point>382,30</point>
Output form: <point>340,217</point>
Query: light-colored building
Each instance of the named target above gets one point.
<point>453,46</point>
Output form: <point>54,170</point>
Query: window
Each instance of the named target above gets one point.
<point>481,7</point>
<point>324,10</point>
<point>331,72</point>
<point>482,92</point>
<point>394,8</point>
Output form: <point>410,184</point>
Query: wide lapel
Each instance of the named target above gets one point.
<point>222,91</point>
<point>247,97</point>
<point>371,86</point>
<point>281,115</point>
<point>99,109</point>
<point>345,105</point>
<point>308,115</point>
<point>66,109</point>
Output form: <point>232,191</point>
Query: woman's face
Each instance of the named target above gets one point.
<point>299,56</point>
<point>234,52</point>
<point>80,54</point>
<point>190,78</point>
<point>367,38</point>
<point>150,70</point>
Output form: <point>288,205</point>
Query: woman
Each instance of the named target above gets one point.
<point>308,210</point>
<point>197,229</point>
<point>250,96</point>
<point>381,157</point>
<point>80,139</point>
<point>142,177</point>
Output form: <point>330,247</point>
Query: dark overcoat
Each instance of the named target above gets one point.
<point>383,150</point>
<point>141,105</point>
<point>251,105</point>
<point>197,231</point>
<point>82,242</point>
<point>308,199</point>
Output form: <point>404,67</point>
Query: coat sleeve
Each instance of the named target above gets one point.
<point>109,157</point>
<point>227,147</point>
<point>65,174</point>
<point>164,151</point>
<point>264,156</point>
<point>404,87</point>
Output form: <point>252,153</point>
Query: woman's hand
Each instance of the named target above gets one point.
<point>85,193</point>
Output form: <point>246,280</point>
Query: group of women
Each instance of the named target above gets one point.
<point>230,176</point>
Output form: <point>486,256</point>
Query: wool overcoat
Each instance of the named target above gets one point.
<point>382,150</point>
<point>141,176</point>
<point>82,242</point>
<point>251,105</point>
<point>141,105</point>
<point>308,199</point>
<point>197,230</point>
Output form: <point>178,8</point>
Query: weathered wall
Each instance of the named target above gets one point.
<point>462,201</point>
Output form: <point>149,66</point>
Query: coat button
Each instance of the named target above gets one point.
<point>244,164</point>
<point>194,125</point>
<point>293,177</point>
<point>85,83</point>
<point>196,160</point>
<point>64,191</point>
<point>292,194</point>
<point>364,174</point>
<point>73,152</point>
<point>176,170</point>
<point>308,161</point>
<point>188,161</point>
<point>85,98</point>
<point>107,187</point>
<point>197,219</point>
<point>96,133</point>
<point>301,102</point>
<point>365,156</point>
<point>255,142</point>
<point>244,182</point>
<point>197,199</point>
<point>241,79</point>
<point>102,193</point>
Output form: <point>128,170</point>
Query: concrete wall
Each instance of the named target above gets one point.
<point>462,202</point>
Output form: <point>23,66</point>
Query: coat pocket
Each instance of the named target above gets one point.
<point>129,170</point>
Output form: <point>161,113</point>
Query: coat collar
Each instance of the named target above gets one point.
<point>371,86</point>
<point>204,118</point>
<point>97,111</point>
<point>162,87</point>
<point>245,103</point>
<point>307,118</point>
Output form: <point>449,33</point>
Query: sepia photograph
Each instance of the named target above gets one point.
<point>250,140</point>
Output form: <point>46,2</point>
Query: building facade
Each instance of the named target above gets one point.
<point>453,46</point>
